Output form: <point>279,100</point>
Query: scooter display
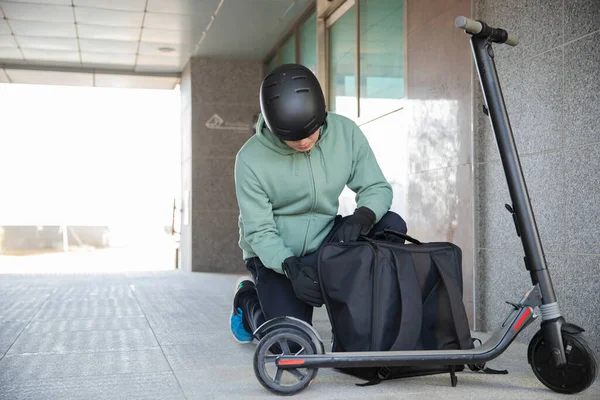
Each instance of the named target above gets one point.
<point>290,353</point>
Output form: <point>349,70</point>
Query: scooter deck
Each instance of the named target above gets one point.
<point>492,348</point>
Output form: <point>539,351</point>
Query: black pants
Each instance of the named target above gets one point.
<point>275,295</point>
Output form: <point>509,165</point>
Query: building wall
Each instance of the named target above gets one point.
<point>551,85</point>
<point>223,101</point>
<point>439,154</point>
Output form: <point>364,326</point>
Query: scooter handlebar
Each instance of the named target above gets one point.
<point>475,27</point>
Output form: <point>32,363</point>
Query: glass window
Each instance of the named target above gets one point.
<point>271,64</point>
<point>342,65</point>
<point>288,51</point>
<point>308,43</point>
<point>381,56</point>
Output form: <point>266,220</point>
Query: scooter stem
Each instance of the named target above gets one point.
<point>523,216</point>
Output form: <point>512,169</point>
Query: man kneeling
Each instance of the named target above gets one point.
<point>288,179</point>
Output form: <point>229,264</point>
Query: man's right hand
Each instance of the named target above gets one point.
<point>305,281</point>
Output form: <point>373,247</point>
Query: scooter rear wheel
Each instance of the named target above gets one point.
<point>286,341</point>
<point>579,373</point>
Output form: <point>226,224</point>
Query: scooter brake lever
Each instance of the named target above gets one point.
<point>515,305</point>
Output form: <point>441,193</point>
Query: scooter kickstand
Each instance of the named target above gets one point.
<point>453,378</point>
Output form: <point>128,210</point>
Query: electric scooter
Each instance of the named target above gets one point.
<point>558,354</point>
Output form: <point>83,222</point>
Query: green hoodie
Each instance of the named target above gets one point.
<point>288,200</point>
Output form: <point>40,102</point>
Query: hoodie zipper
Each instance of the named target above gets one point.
<point>314,204</point>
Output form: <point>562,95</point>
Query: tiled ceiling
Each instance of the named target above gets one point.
<point>151,37</point>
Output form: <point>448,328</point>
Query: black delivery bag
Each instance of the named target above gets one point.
<point>384,295</point>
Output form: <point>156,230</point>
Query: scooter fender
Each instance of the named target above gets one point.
<point>293,323</point>
<point>571,328</point>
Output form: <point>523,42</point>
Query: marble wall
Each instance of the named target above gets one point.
<point>438,118</point>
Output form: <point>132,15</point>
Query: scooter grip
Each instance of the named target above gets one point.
<point>468,24</point>
<point>512,40</point>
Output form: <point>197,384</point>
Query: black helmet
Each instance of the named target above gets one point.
<point>292,102</point>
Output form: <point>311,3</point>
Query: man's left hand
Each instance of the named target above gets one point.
<point>359,223</point>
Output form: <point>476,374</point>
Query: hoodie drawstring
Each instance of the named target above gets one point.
<point>295,165</point>
<point>323,164</point>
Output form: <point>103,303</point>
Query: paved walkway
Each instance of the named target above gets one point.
<point>164,335</point>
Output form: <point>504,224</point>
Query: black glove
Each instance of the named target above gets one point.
<point>360,223</point>
<point>305,281</point>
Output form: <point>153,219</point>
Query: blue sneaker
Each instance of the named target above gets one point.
<point>238,330</point>
<point>240,334</point>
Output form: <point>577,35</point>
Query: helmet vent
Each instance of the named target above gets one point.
<point>271,85</point>
<point>298,77</point>
<point>303,90</point>
<point>312,121</point>
<point>274,98</point>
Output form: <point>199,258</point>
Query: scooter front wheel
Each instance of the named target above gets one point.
<point>579,373</point>
<point>286,341</point>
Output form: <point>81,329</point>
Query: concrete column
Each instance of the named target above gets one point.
<point>185,245</point>
<point>219,106</point>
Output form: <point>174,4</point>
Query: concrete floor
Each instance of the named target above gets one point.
<point>165,335</point>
